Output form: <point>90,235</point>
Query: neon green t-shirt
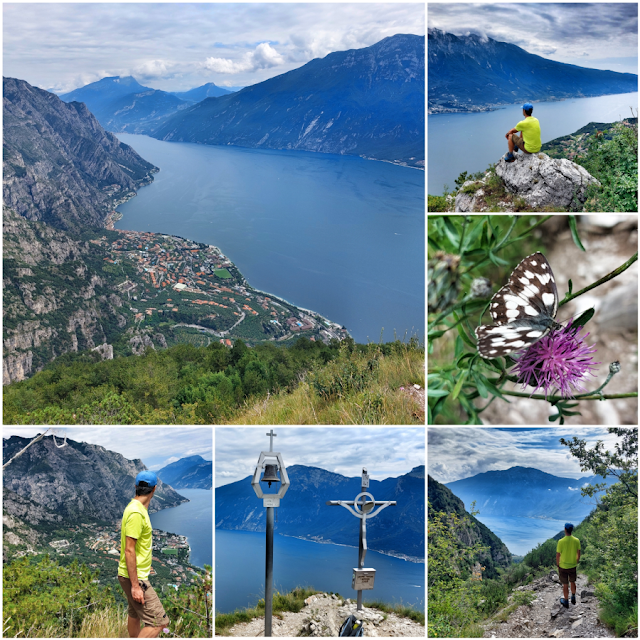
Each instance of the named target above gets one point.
<point>568,548</point>
<point>136,524</point>
<point>530,128</point>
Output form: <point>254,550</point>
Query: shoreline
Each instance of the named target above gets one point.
<point>399,556</point>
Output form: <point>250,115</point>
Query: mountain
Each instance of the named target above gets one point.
<point>193,472</point>
<point>198,94</point>
<point>59,165</point>
<point>367,102</point>
<point>526,492</point>
<point>470,73</point>
<point>441,499</point>
<point>123,104</point>
<point>303,513</point>
<point>79,480</point>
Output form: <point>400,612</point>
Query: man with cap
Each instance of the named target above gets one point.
<point>530,140</point>
<point>567,558</point>
<point>135,562</point>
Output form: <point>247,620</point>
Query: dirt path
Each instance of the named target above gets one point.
<point>322,616</point>
<point>547,618</point>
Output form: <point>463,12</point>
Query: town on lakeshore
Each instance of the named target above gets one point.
<point>98,546</point>
<point>168,279</point>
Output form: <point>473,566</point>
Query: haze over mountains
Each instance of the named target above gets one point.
<point>303,513</point>
<point>526,492</point>
<point>471,73</point>
<point>193,472</point>
<point>367,102</point>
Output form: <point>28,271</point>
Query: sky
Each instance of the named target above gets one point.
<point>461,452</point>
<point>594,35</point>
<point>385,452</point>
<point>155,446</point>
<point>180,46</point>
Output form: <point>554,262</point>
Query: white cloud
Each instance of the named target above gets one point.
<point>154,69</point>
<point>264,56</point>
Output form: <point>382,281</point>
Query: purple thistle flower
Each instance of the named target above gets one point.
<point>559,360</point>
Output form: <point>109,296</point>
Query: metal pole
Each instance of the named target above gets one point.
<point>268,578</point>
<point>361,542</point>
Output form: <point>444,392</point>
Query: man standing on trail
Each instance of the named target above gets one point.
<point>135,562</point>
<point>567,558</point>
<point>530,140</point>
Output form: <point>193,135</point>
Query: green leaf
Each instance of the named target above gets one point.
<point>574,232</point>
<point>465,337</point>
<point>433,244</point>
<point>583,318</point>
<point>461,364</point>
<point>499,262</point>
<point>494,390</point>
<point>482,389</point>
<point>570,287</point>
<point>436,334</point>
<point>437,393</point>
<point>451,232</point>
<point>459,348</point>
<point>456,389</point>
<point>554,417</point>
<point>472,236</point>
<point>432,376</point>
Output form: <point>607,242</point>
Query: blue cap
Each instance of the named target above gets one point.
<point>527,105</point>
<point>150,478</point>
<point>568,525</point>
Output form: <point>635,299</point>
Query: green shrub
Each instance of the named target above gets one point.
<point>436,203</point>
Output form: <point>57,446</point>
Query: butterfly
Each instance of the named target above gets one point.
<point>523,311</point>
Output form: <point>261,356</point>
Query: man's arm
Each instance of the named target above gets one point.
<point>578,558</point>
<point>132,569</point>
<point>557,559</point>
<point>514,130</point>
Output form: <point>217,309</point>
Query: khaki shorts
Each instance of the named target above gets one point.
<point>152,612</point>
<point>518,141</point>
<point>567,575</point>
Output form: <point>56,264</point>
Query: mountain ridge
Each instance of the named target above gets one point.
<point>304,514</point>
<point>470,73</point>
<point>192,472</point>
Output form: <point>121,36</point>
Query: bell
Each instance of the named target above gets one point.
<point>270,474</point>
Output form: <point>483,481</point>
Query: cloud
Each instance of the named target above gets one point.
<point>154,69</point>
<point>263,57</point>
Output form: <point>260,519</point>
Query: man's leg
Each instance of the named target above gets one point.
<point>133,627</point>
<point>511,145</point>
<point>150,632</point>
<point>565,590</point>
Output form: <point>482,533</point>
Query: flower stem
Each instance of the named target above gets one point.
<point>609,276</point>
<point>601,387</point>
<point>537,396</point>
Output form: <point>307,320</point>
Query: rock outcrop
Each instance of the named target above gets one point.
<point>322,616</point>
<point>59,165</point>
<point>544,182</point>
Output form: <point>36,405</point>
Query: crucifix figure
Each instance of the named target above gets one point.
<point>271,437</point>
<point>363,506</point>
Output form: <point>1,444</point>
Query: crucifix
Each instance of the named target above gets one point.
<point>271,437</point>
<point>363,508</point>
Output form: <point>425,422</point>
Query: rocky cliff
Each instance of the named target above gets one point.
<point>59,165</point>
<point>193,472</point>
<point>367,102</point>
<point>303,513</point>
<point>80,480</point>
<point>441,499</point>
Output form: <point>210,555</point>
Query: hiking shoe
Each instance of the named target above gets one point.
<point>573,598</point>
<point>509,157</point>
<point>564,603</point>
<point>516,148</point>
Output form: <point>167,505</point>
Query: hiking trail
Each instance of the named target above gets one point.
<point>547,618</point>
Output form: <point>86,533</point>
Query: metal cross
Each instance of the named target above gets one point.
<point>271,437</point>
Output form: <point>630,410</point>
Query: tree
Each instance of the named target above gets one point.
<point>622,464</point>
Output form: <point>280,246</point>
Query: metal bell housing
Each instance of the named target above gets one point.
<point>270,474</point>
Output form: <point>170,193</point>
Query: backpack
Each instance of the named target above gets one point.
<point>351,628</point>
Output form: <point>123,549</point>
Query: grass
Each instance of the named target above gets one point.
<point>222,273</point>
<point>402,610</point>
<point>520,598</point>
<point>377,400</point>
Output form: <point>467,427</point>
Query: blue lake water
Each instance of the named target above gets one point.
<point>240,557</point>
<point>193,519</point>
<point>469,142</point>
<point>522,534</point>
<point>339,235</point>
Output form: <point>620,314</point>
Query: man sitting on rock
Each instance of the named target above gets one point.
<point>529,141</point>
<point>567,558</point>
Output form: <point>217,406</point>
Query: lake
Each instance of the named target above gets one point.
<point>240,557</point>
<point>523,534</point>
<point>339,235</point>
<point>193,519</point>
<point>469,142</point>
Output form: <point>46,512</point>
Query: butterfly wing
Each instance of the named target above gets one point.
<point>523,310</point>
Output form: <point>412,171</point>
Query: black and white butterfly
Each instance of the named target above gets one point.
<point>523,311</point>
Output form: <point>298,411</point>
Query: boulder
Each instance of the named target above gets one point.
<point>546,182</point>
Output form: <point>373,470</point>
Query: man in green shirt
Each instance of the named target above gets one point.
<point>567,558</point>
<point>530,140</point>
<point>135,562</point>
